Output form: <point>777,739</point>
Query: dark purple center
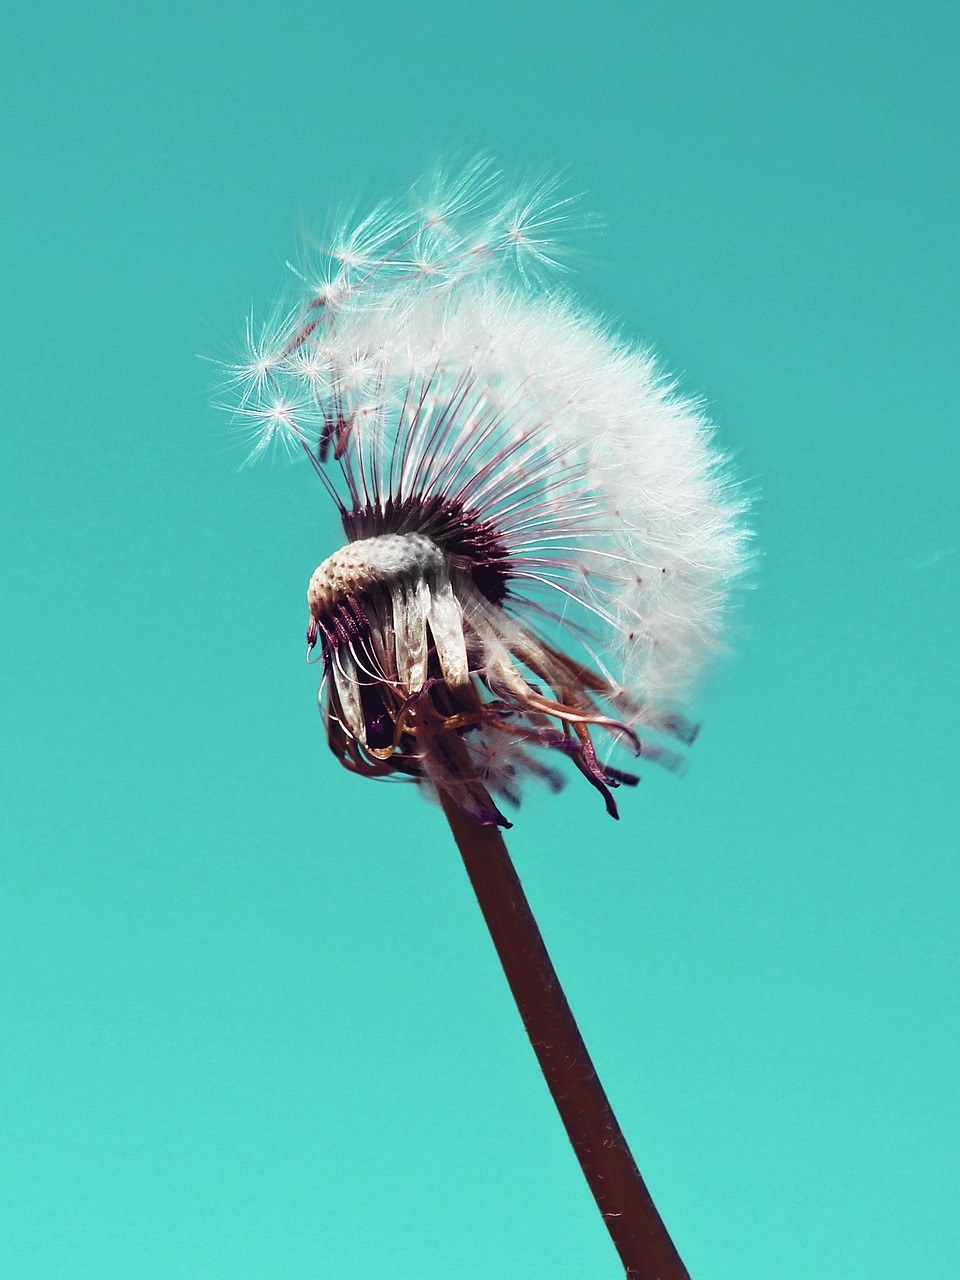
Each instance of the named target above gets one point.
<point>461,533</point>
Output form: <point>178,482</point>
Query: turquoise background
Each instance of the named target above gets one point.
<point>251,1027</point>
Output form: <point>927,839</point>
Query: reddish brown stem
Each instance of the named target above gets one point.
<point>628,1211</point>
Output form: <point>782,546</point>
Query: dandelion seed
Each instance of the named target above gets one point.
<point>280,423</point>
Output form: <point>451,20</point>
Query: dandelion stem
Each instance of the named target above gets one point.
<point>625,1204</point>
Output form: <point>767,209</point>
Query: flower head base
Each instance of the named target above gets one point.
<point>539,537</point>
<point>415,650</point>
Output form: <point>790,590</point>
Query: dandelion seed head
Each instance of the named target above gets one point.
<point>541,533</point>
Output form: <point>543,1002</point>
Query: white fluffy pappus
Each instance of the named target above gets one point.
<point>541,533</point>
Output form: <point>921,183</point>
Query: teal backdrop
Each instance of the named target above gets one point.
<point>251,1026</point>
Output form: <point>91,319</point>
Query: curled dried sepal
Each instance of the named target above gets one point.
<point>413,653</point>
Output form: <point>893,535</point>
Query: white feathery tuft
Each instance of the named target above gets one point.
<point>426,359</point>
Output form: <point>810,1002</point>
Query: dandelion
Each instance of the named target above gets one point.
<point>540,537</point>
